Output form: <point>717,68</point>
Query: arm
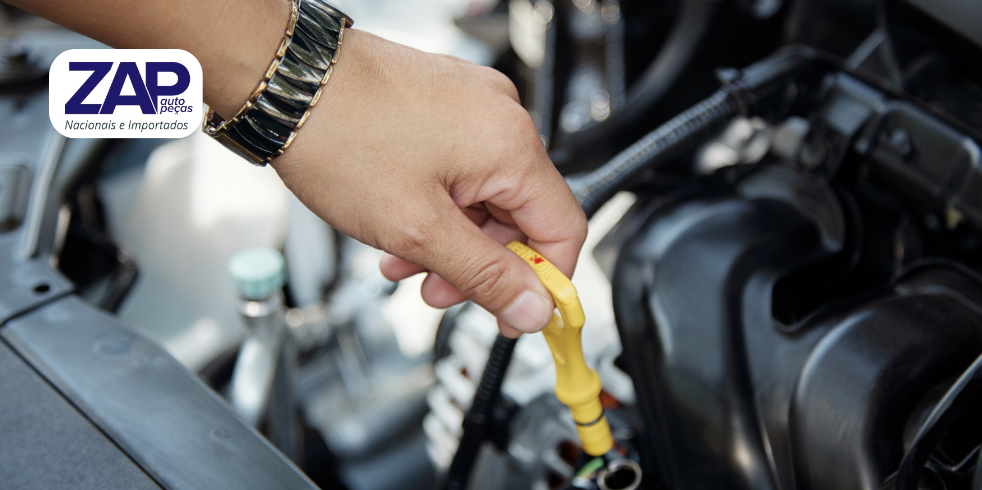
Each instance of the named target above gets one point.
<point>425,156</point>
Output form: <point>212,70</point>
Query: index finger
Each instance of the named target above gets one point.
<point>545,209</point>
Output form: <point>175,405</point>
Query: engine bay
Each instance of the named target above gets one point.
<point>781,279</point>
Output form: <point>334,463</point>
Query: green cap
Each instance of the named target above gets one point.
<point>257,272</point>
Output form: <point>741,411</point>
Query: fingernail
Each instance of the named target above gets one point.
<point>529,313</point>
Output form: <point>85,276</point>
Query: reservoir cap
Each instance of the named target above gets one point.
<point>257,272</point>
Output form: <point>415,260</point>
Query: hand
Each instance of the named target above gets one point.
<point>433,160</point>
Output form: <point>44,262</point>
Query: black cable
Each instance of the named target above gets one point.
<point>763,85</point>
<point>681,133</point>
<point>478,418</point>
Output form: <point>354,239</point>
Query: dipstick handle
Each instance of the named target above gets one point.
<point>577,386</point>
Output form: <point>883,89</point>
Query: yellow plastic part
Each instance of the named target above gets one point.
<point>577,386</point>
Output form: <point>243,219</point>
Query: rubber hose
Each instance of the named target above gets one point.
<point>478,418</point>
<point>660,146</point>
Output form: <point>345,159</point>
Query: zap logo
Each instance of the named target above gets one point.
<point>125,93</point>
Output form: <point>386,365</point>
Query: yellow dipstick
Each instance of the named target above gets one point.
<point>577,386</point>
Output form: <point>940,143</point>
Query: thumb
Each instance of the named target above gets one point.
<point>486,272</point>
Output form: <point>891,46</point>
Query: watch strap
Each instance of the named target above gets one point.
<point>268,122</point>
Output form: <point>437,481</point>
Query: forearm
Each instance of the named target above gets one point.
<point>234,40</point>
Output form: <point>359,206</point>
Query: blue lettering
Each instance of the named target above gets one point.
<point>128,69</point>
<point>155,90</point>
<point>99,70</point>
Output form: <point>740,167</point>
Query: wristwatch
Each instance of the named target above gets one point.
<point>268,122</point>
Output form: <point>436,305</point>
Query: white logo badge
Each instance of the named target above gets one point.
<point>125,93</point>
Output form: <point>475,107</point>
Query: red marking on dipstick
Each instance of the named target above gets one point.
<point>538,260</point>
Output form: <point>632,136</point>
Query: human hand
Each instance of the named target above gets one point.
<point>433,160</point>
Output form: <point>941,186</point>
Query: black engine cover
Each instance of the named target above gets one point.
<point>737,395</point>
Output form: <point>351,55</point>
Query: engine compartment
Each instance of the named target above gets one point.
<point>781,279</point>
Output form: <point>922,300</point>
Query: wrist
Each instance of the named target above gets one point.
<point>351,76</point>
<point>239,51</point>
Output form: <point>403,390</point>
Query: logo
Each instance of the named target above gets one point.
<point>125,93</point>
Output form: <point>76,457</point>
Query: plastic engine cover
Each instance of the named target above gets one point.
<point>736,397</point>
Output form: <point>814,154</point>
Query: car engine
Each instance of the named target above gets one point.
<point>781,280</point>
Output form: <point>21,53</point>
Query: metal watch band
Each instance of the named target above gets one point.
<point>268,122</point>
